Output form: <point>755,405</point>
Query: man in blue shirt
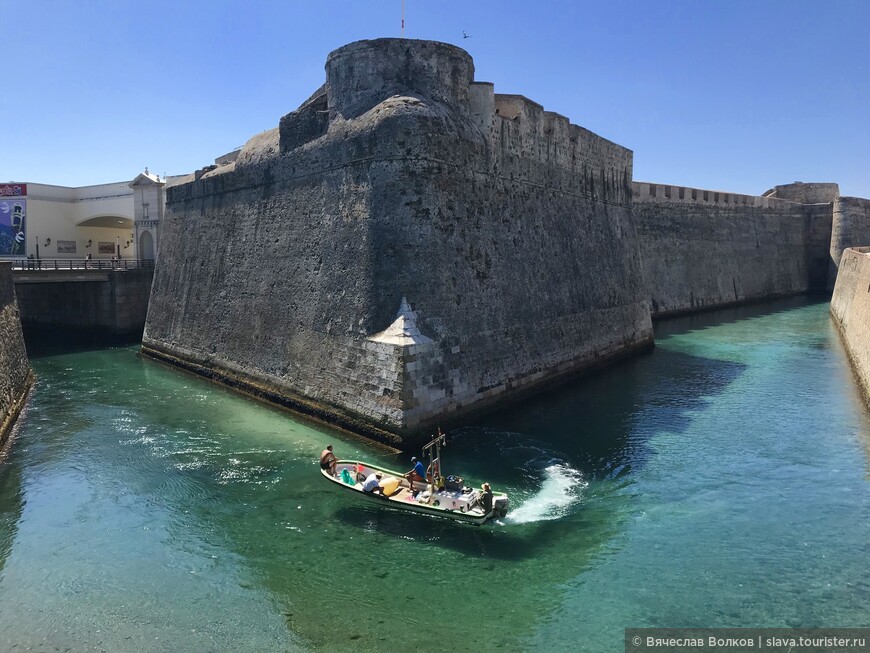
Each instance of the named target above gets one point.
<point>418,473</point>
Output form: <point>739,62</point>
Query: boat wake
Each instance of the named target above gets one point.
<point>560,491</point>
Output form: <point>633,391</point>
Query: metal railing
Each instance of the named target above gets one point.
<point>37,264</point>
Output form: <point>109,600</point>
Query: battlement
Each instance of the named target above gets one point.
<point>642,191</point>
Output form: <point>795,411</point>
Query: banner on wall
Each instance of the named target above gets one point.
<point>106,247</point>
<point>13,220</point>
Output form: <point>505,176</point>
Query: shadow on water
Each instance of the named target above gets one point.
<point>500,541</point>
<point>598,425</point>
<point>43,341</point>
<point>670,326</point>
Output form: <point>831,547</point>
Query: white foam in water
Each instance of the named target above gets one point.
<point>559,491</point>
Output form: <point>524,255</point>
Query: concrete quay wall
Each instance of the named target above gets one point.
<point>850,308</point>
<point>702,249</point>
<point>16,376</point>
<point>113,301</point>
<point>506,229</point>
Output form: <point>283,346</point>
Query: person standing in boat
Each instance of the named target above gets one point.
<point>328,460</point>
<point>486,499</point>
<point>417,474</point>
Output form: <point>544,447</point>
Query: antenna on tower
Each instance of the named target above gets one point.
<point>403,18</point>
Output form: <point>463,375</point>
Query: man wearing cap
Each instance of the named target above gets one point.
<point>418,473</point>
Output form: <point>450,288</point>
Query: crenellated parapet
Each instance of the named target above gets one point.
<point>526,140</point>
<point>642,191</point>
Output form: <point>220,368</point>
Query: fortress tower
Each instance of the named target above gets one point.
<point>406,248</point>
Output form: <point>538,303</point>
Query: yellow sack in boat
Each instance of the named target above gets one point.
<point>389,485</point>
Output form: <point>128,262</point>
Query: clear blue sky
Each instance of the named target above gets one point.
<point>729,95</point>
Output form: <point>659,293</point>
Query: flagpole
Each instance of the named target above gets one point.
<point>403,18</point>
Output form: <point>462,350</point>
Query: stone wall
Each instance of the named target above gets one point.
<point>702,249</point>
<point>806,193</point>
<point>850,308</point>
<point>114,301</point>
<point>15,374</point>
<point>851,228</point>
<point>507,229</point>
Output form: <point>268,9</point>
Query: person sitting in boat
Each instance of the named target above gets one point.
<point>417,474</point>
<point>486,499</point>
<point>328,460</point>
<point>372,483</point>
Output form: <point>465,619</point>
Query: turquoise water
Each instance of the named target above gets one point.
<point>720,481</point>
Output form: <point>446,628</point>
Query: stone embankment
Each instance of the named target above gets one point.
<point>850,308</point>
<point>16,376</point>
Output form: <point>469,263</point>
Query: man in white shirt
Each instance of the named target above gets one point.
<point>372,484</point>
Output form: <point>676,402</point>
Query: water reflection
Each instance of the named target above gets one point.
<point>155,496</point>
<point>11,506</point>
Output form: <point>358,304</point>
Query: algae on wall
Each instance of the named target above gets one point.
<point>15,373</point>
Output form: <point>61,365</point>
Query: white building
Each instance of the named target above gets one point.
<point>120,219</point>
<point>58,222</point>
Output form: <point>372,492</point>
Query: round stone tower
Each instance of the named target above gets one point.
<point>364,73</point>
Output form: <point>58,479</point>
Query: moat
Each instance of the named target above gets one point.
<point>721,480</point>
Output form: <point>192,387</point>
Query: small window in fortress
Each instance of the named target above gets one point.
<point>652,190</point>
<point>694,193</point>
<point>715,197</point>
<point>668,192</point>
<point>682,193</point>
<point>706,196</point>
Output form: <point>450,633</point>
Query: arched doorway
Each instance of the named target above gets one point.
<point>146,246</point>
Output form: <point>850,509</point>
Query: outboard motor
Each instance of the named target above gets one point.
<point>500,506</point>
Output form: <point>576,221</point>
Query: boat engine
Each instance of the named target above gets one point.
<point>500,506</point>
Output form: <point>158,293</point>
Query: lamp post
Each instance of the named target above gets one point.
<point>37,247</point>
<point>118,246</point>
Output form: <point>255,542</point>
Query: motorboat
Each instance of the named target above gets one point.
<point>438,496</point>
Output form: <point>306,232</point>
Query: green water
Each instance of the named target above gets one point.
<point>720,481</point>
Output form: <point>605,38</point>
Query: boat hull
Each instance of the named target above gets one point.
<point>404,500</point>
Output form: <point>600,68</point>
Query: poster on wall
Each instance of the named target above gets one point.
<point>104,247</point>
<point>66,247</point>
<point>13,218</point>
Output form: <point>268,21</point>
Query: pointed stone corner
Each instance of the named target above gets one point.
<point>403,331</point>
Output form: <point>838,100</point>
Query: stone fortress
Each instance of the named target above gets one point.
<point>408,248</point>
